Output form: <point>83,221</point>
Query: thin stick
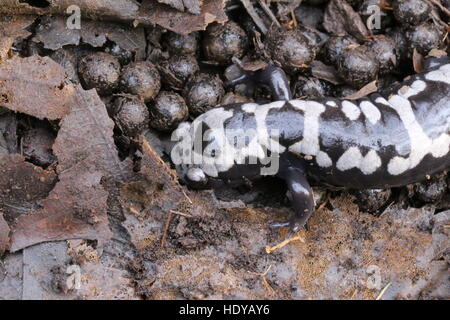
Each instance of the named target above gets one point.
<point>383,291</point>
<point>185,195</point>
<point>252,12</point>
<point>439,4</point>
<point>182,214</point>
<point>294,19</point>
<point>269,12</point>
<point>166,229</point>
<point>270,249</point>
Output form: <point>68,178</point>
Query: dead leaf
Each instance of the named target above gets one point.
<point>122,10</point>
<point>417,61</point>
<point>35,86</point>
<point>149,13</point>
<point>182,22</point>
<point>77,206</point>
<point>325,72</point>
<point>191,6</point>
<point>436,53</point>
<point>8,133</point>
<point>11,28</point>
<point>364,91</point>
<point>23,185</point>
<point>127,38</point>
<point>54,34</point>
<point>340,18</point>
<point>4,235</point>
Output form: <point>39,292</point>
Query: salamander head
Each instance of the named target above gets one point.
<point>188,160</point>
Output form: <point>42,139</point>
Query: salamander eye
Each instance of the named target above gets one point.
<point>196,178</point>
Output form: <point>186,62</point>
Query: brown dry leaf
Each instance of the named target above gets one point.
<point>340,18</point>
<point>54,34</point>
<point>4,235</point>
<point>325,72</point>
<point>369,88</point>
<point>182,22</point>
<point>8,133</point>
<point>122,10</point>
<point>35,86</point>
<point>150,12</point>
<point>191,6</point>
<point>77,206</point>
<point>436,53</point>
<point>128,38</point>
<point>417,61</point>
<point>11,28</point>
<point>23,185</point>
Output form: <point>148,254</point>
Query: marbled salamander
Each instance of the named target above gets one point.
<point>387,139</point>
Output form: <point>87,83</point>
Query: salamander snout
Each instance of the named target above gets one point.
<point>196,178</point>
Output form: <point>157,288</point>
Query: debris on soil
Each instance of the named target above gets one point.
<point>23,185</point>
<point>129,11</point>
<point>182,22</point>
<point>12,28</point>
<point>4,235</point>
<point>369,88</point>
<point>340,19</point>
<point>83,160</point>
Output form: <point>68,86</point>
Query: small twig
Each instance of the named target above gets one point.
<point>263,279</point>
<point>353,294</point>
<point>252,12</point>
<point>269,12</point>
<point>185,195</point>
<point>439,4</point>
<point>438,19</point>
<point>324,203</point>
<point>166,229</point>
<point>280,245</point>
<point>294,19</point>
<point>182,214</point>
<point>383,291</point>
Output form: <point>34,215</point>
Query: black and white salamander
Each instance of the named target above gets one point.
<point>387,139</point>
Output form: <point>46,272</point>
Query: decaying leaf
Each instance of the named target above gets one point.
<point>54,34</point>
<point>123,10</point>
<point>4,234</point>
<point>182,22</point>
<point>23,185</point>
<point>437,53</point>
<point>325,72</point>
<point>369,88</point>
<point>191,6</point>
<point>77,206</point>
<point>35,86</point>
<point>340,18</point>
<point>127,38</point>
<point>199,13</point>
<point>8,133</point>
<point>11,28</point>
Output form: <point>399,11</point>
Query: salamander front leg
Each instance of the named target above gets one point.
<point>270,76</point>
<point>302,199</point>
